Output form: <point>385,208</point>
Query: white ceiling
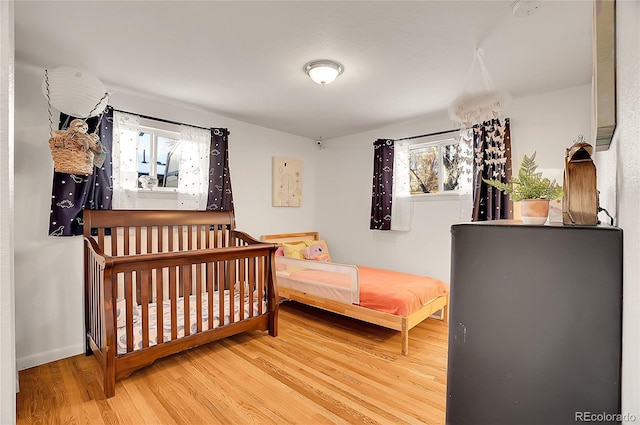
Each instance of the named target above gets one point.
<point>244,59</point>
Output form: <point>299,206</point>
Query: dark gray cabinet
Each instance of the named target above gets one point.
<point>535,324</point>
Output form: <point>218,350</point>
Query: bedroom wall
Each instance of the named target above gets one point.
<point>622,160</point>
<point>8,373</point>
<point>547,123</point>
<point>48,270</point>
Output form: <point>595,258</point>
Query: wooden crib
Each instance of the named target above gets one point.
<point>161,282</point>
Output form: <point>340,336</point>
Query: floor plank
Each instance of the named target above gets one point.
<point>321,369</point>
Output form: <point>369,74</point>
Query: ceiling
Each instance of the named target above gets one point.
<point>244,59</point>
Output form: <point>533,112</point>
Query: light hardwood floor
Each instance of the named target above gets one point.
<point>321,369</point>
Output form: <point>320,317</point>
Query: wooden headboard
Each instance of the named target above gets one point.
<point>291,237</point>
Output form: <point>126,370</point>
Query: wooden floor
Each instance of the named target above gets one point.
<point>321,369</point>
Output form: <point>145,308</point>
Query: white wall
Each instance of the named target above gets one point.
<point>624,158</point>
<point>7,321</point>
<point>48,270</point>
<point>546,123</point>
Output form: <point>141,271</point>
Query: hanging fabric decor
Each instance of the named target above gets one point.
<point>74,150</point>
<point>474,107</point>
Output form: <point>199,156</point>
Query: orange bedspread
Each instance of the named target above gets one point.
<point>396,293</point>
<point>384,290</point>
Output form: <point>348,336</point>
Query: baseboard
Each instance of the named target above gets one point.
<point>49,356</point>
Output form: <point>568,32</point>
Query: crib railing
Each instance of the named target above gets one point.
<point>149,275</point>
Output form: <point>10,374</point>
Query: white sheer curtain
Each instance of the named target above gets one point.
<point>193,182</point>
<point>193,179</point>
<point>125,162</point>
<point>401,205</point>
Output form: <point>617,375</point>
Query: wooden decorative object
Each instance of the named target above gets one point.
<point>580,201</point>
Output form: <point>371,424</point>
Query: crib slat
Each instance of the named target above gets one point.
<point>159,306</point>
<point>114,240</point>
<point>101,239</point>
<point>189,237</point>
<point>128,295</point>
<point>252,284</point>
<point>145,283</point>
<point>210,287</point>
<point>180,238</point>
<point>138,239</point>
<point>199,297</point>
<point>185,277</point>
<point>241,279</point>
<point>174,304</point>
<point>160,238</point>
<point>216,235</point>
<point>221,288</point>
<point>232,290</point>
<point>261,268</point>
<point>149,239</point>
<point>126,240</point>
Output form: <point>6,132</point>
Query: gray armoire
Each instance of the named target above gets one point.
<point>535,323</point>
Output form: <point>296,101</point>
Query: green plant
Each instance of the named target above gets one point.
<point>528,184</point>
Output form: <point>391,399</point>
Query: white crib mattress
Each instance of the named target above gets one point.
<point>166,321</point>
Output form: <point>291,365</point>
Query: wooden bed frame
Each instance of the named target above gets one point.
<point>387,320</point>
<point>139,255</point>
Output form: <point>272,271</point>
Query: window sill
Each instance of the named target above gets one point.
<point>447,196</point>
<point>158,193</point>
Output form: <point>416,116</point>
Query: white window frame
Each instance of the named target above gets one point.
<point>440,141</point>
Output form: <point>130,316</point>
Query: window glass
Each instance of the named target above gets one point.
<point>451,167</point>
<point>423,169</point>
<point>433,167</point>
<point>168,162</point>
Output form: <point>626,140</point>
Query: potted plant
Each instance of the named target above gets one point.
<point>532,191</point>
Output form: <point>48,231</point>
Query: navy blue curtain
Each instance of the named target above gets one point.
<point>382,190</point>
<point>71,193</point>
<point>492,161</point>
<point>220,197</point>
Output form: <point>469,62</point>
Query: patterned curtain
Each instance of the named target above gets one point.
<point>382,190</point>
<point>220,197</point>
<point>492,161</point>
<point>71,193</point>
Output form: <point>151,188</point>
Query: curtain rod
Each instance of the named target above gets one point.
<point>437,133</point>
<point>163,120</point>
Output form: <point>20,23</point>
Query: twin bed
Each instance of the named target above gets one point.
<point>161,282</point>
<point>394,300</point>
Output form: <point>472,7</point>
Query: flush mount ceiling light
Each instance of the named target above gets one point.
<point>323,71</point>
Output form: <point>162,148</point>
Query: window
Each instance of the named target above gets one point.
<point>158,157</point>
<point>434,167</point>
<point>159,165</point>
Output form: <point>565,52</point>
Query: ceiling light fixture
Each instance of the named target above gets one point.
<point>323,71</point>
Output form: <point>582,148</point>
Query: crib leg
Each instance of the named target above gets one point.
<point>273,323</point>
<point>109,383</point>
<point>87,351</point>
